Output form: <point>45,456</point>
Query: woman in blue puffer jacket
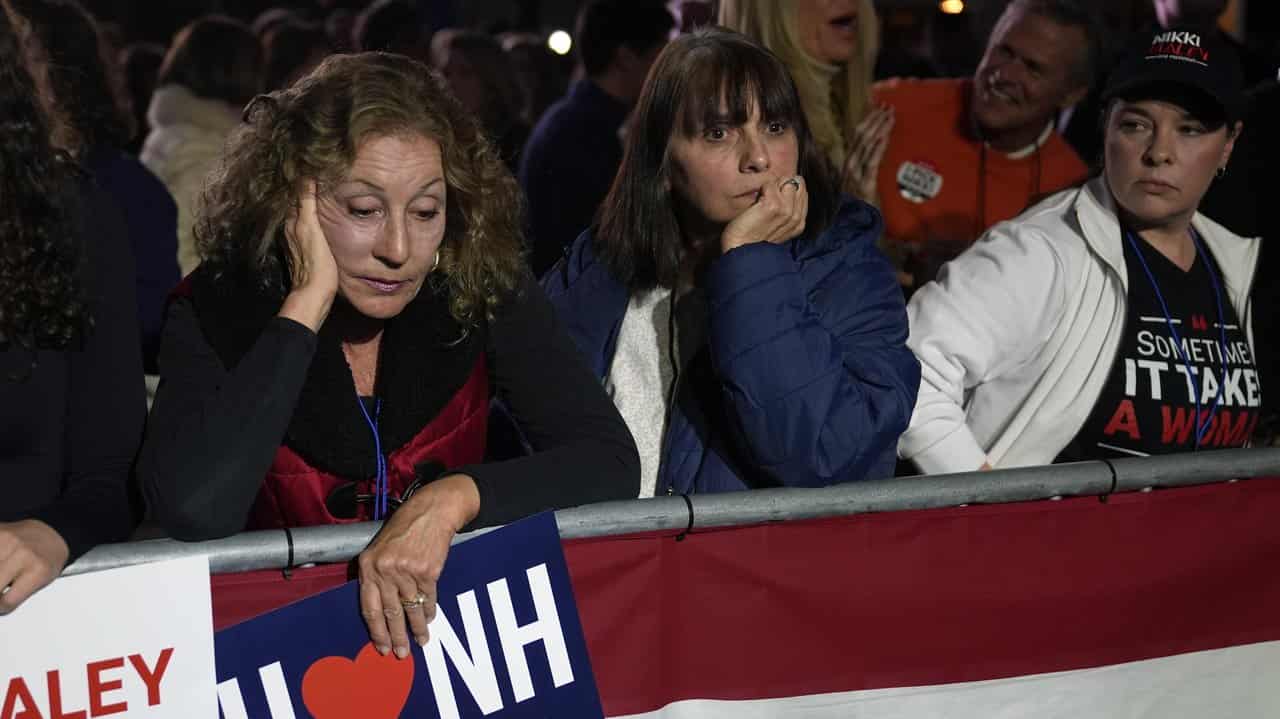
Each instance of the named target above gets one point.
<point>733,303</point>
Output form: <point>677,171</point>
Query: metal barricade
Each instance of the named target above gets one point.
<point>271,549</point>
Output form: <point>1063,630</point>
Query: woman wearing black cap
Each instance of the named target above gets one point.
<point>1112,319</point>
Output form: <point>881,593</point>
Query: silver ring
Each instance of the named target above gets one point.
<point>417,601</point>
<point>793,181</point>
<point>5,590</point>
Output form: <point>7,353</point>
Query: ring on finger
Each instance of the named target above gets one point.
<point>416,602</point>
<point>794,181</point>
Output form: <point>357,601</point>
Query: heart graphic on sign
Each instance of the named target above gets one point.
<point>372,686</point>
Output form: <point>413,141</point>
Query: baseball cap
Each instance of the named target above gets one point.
<point>1183,60</point>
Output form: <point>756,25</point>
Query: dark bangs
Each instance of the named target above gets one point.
<point>726,81</point>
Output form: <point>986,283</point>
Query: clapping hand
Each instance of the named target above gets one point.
<point>862,166</point>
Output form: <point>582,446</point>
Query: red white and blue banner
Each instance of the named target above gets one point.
<point>1159,604</point>
<point>505,642</point>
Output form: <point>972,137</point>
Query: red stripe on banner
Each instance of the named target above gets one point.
<point>928,597</point>
<point>245,595</point>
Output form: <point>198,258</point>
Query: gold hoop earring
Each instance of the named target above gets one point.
<point>436,264</point>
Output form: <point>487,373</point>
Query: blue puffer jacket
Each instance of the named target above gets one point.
<point>807,380</point>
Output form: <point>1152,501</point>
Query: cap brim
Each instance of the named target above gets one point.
<point>1201,101</point>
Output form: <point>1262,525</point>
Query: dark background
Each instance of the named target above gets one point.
<point>955,41</point>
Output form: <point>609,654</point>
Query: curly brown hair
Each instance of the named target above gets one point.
<point>313,130</point>
<point>42,298</point>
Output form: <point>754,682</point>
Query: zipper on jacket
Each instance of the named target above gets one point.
<point>671,398</point>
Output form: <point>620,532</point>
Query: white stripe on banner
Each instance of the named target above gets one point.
<point>1239,682</point>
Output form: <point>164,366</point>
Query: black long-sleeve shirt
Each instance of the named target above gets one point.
<point>214,431</point>
<point>71,423</point>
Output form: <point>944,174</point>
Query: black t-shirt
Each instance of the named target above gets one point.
<point>1148,405</point>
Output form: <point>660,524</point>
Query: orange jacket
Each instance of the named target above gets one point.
<point>938,184</point>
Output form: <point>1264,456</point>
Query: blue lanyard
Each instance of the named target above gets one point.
<point>381,486</point>
<point>1177,340</point>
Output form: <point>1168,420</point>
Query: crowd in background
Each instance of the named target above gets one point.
<point>558,120</point>
<point>786,252</point>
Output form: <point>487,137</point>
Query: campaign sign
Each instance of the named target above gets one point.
<point>506,641</point>
<point>136,642</point>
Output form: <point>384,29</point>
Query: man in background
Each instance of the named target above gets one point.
<point>575,149</point>
<point>966,153</point>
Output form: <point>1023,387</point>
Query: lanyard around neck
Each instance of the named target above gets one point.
<point>382,488</point>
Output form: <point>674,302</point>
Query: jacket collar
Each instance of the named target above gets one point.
<point>424,359</point>
<point>1100,225</point>
<point>592,303</point>
<point>853,219</point>
<point>1237,256</point>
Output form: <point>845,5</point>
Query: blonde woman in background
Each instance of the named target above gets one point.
<point>830,48</point>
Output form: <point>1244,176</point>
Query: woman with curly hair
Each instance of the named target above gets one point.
<point>71,393</point>
<point>830,48</point>
<point>361,299</point>
<point>68,55</point>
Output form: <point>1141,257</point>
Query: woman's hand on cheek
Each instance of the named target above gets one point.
<point>400,567</point>
<point>777,216</point>
<point>314,271</point>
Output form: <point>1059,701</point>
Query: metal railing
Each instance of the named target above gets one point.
<point>338,543</point>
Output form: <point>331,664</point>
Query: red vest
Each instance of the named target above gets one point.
<point>294,493</point>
